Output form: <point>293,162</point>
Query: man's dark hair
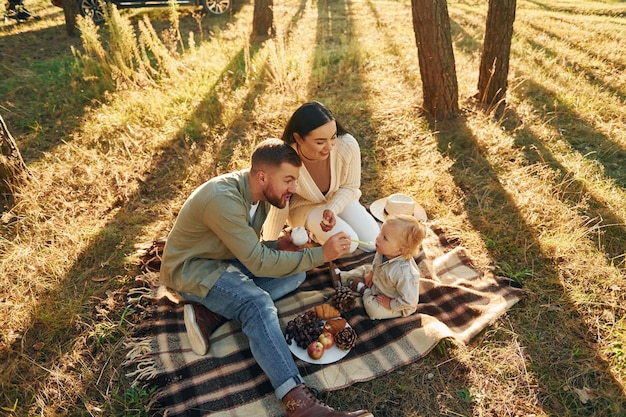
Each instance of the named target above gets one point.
<point>272,153</point>
<point>307,118</point>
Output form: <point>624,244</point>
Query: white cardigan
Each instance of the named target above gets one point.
<point>345,183</point>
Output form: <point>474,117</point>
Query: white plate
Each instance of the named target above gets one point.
<point>330,355</point>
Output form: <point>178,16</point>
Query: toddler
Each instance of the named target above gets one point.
<point>390,285</point>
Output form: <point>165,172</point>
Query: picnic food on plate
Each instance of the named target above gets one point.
<point>304,329</point>
<point>326,311</point>
<point>346,338</point>
<point>316,335</point>
<point>333,326</point>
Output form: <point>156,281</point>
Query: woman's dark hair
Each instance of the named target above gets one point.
<point>309,117</point>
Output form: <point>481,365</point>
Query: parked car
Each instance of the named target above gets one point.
<point>93,8</point>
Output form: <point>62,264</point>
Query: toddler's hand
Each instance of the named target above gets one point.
<point>368,278</point>
<point>384,301</point>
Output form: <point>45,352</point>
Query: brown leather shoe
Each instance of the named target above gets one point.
<point>200,322</point>
<point>354,285</point>
<point>300,402</point>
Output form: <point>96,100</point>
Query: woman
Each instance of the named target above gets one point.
<point>327,195</point>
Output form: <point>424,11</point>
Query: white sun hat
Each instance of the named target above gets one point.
<point>397,204</point>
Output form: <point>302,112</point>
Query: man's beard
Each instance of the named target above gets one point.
<point>276,201</point>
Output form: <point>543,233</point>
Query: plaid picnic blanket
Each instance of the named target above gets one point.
<point>457,301</point>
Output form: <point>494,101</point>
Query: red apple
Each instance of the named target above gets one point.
<point>315,349</point>
<point>327,339</point>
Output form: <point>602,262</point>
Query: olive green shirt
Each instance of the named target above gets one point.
<point>214,227</point>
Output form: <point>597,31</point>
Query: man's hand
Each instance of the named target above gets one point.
<point>328,220</point>
<point>337,245</point>
<point>285,243</point>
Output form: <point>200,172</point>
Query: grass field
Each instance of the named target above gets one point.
<point>539,194</point>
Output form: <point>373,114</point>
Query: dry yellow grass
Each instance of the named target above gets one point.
<point>539,194</point>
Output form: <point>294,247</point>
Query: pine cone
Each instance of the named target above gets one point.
<point>346,339</point>
<point>344,299</point>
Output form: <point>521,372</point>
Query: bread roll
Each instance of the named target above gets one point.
<point>335,325</point>
<point>326,311</point>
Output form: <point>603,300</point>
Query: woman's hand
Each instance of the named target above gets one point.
<point>328,220</point>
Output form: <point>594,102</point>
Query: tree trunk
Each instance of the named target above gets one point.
<point>12,167</point>
<point>263,20</point>
<point>431,25</point>
<point>70,10</point>
<point>494,61</point>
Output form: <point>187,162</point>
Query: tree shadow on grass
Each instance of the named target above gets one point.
<point>38,64</point>
<point>81,292</point>
<point>78,297</point>
<point>436,385</point>
<point>342,84</point>
<point>591,145</point>
<point>337,80</point>
<point>594,77</point>
<point>465,42</point>
<point>61,106</point>
<point>551,330</point>
<point>563,117</point>
<point>297,16</point>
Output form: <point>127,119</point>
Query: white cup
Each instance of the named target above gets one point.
<point>299,236</point>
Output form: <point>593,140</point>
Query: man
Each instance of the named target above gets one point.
<point>214,258</point>
<point>17,11</point>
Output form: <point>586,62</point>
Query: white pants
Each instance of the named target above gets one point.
<point>354,220</point>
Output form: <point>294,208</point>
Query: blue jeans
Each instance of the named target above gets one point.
<point>238,295</point>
